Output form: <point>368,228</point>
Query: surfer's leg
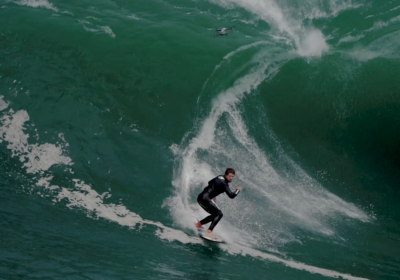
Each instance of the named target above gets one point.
<point>207,220</point>
<point>216,213</point>
<point>216,217</point>
<point>210,207</point>
<point>205,206</point>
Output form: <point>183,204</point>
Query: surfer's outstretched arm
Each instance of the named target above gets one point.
<point>230,193</point>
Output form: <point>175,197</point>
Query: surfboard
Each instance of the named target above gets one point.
<point>204,236</point>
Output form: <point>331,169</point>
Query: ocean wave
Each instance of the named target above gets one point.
<point>37,4</point>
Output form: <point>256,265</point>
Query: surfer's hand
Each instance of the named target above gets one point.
<point>239,188</point>
<point>214,199</point>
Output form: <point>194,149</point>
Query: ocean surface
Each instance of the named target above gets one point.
<point>114,115</point>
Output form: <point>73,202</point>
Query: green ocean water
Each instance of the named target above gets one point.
<point>114,115</point>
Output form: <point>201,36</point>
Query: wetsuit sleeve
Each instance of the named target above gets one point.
<point>229,192</point>
<point>211,183</point>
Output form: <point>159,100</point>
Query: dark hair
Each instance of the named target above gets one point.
<point>229,170</point>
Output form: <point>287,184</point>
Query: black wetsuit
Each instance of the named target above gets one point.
<point>215,187</point>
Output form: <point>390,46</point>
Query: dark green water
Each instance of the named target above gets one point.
<point>115,114</point>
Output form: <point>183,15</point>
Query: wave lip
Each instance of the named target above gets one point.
<point>309,42</point>
<point>37,4</point>
<point>313,43</point>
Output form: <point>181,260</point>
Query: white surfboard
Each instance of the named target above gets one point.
<point>204,236</point>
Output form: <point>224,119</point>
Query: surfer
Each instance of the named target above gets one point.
<point>222,32</point>
<point>208,198</point>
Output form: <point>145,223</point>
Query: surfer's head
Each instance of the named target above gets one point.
<point>229,174</point>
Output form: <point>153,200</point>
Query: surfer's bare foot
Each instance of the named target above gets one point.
<point>211,235</point>
<point>199,226</point>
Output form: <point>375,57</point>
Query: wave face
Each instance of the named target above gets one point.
<point>115,115</point>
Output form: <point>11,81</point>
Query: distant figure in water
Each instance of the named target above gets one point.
<point>222,32</point>
<point>208,198</point>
